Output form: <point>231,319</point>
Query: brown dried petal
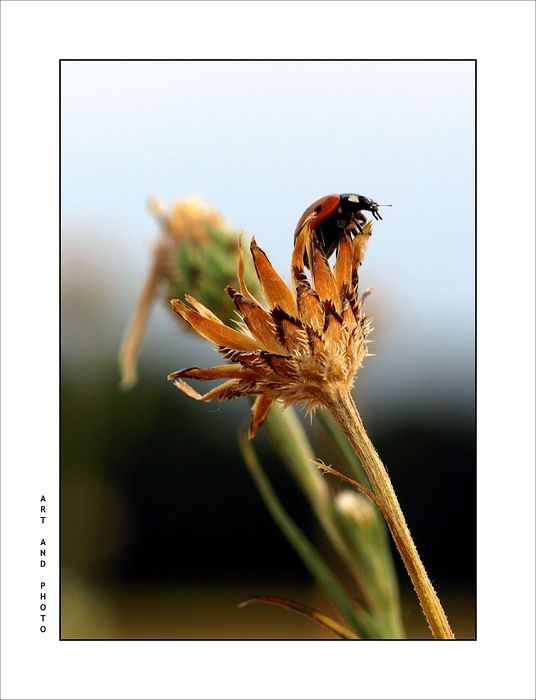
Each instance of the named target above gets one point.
<point>275,290</point>
<point>360,244</point>
<point>259,321</point>
<point>241,272</point>
<point>332,333</point>
<point>323,280</point>
<point>260,410</point>
<point>216,393</point>
<point>296,340</point>
<point>233,371</point>
<point>310,306</point>
<point>343,265</point>
<point>214,330</point>
<point>201,309</point>
<point>297,264</point>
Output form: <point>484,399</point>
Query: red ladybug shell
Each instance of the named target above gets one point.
<point>323,207</point>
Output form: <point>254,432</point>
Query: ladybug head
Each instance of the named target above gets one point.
<point>358,203</point>
<point>370,205</point>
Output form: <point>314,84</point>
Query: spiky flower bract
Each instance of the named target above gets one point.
<point>304,342</point>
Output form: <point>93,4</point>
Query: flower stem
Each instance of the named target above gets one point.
<point>343,409</point>
<point>130,344</point>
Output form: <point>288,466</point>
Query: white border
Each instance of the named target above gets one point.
<point>500,35</point>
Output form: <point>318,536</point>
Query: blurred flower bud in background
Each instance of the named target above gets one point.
<point>196,252</point>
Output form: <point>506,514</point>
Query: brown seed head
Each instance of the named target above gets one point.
<point>306,342</point>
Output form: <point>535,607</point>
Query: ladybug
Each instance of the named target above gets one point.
<point>336,213</point>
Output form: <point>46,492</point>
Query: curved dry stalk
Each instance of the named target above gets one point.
<point>367,492</point>
<point>130,345</point>
<point>325,620</point>
<point>343,409</point>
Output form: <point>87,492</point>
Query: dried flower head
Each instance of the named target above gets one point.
<point>188,219</point>
<point>303,345</point>
<point>197,254</point>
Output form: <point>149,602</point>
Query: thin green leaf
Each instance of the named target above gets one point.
<point>375,557</point>
<point>310,557</point>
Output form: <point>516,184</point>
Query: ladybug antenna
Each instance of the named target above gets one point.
<point>376,213</point>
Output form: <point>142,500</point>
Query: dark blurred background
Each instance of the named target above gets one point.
<point>163,532</point>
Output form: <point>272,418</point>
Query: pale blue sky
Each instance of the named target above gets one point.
<point>260,141</point>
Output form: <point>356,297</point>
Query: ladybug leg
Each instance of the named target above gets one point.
<point>360,220</point>
<point>320,237</point>
<point>355,225</point>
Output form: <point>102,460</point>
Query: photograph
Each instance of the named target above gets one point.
<point>324,247</point>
